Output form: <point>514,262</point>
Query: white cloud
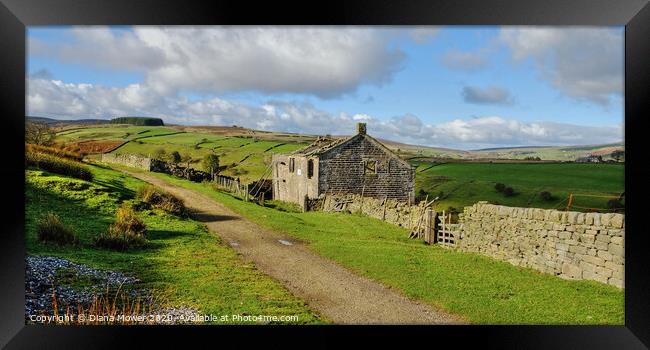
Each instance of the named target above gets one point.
<point>323,61</point>
<point>76,101</point>
<point>583,63</point>
<point>466,61</point>
<point>423,35</point>
<point>487,95</point>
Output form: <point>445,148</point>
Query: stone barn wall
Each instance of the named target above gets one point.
<point>572,245</point>
<point>293,186</point>
<point>342,170</point>
<point>131,160</point>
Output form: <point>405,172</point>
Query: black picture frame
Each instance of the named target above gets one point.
<point>15,15</point>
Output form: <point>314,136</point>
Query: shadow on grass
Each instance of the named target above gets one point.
<point>117,187</point>
<point>206,217</point>
<point>164,235</point>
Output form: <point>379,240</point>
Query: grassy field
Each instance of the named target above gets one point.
<point>246,157</point>
<point>458,184</point>
<point>112,133</point>
<point>184,262</point>
<point>482,290</point>
<point>462,184</point>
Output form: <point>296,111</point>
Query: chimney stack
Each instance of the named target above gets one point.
<point>361,128</point>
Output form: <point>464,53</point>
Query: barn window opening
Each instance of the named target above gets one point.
<point>292,165</point>
<point>310,168</point>
<point>370,167</point>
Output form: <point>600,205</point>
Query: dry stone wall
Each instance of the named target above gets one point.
<point>156,165</point>
<point>131,160</point>
<point>572,245</point>
<point>390,210</point>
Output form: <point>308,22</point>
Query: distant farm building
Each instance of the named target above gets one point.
<point>358,164</point>
<point>590,159</point>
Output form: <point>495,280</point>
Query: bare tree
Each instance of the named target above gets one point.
<point>39,133</point>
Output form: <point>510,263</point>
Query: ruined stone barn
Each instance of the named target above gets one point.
<point>358,164</point>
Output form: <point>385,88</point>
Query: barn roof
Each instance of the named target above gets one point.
<point>323,145</point>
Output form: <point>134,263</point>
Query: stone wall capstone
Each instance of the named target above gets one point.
<point>571,245</point>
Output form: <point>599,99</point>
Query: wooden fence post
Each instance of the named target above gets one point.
<point>427,234</point>
<point>444,234</point>
<point>435,227</point>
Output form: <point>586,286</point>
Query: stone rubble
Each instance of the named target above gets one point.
<point>40,282</point>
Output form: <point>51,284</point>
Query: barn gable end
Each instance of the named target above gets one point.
<point>359,164</point>
<point>362,165</point>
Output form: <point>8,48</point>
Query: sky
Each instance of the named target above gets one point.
<point>463,87</point>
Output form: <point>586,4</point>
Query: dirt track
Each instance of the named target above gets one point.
<point>340,295</point>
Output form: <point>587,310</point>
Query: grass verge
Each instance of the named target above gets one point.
<point>183,261</point>
<point>481,289</point>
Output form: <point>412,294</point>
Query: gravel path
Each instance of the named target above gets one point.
<point>41,281</point>
<point>337,293</point>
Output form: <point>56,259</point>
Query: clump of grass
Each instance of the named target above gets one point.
<point>509,192</point>
<point>127,232</point>
<point>108,309</point>
<point>162,200</point>
<point>51,229</point>
<point>55,151</point>
<point>616,205</point>
<point>58,165</point>
<point>546,196</point>
<point>506,190</point>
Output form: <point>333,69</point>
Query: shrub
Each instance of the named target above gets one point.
<point>159,154</point>
<point>508,192</point>
<point>51,229</point>
<point>58,165</point>
<point>59,152</point>
<point>499,187</point>
<point>546,196</point>
<point>615,204</point>
<point>422,195</point>
<point>175,157</point>
<point>162,200</point>
<point>127,232</point>
<point>39,133</point>
<point>210,163</point>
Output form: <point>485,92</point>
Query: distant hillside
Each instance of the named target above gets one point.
<point>563,153</point>
<point>139,121</point>
<point>66,121</point>
<point>507,148</point>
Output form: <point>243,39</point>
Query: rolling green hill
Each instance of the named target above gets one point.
<point>247,153</point>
